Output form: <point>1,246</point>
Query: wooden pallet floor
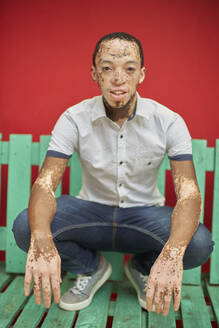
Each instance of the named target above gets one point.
<point>18,311</point>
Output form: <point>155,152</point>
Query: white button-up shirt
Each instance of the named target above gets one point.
<point>120,165</point>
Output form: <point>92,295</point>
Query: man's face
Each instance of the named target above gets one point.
<point>118,72</point>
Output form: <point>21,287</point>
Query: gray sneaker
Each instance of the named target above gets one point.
<point>139,281</point>
<point>86,285</point>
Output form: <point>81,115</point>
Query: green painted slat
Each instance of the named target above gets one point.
<point>35,153</point>
<point>31,315</point>
<point>12,301</point>
<point>4,152</point>
<point>157,320</point>
<point>3,232</point>
<point>75,175</point>
<point>199,156</point>
<point>56,317</point>
<point>116,260</point>
<point>128,313</point>
<point>194,309</point>
<point>19,179</point>
<point>213,292</point>
<point>95,315</point>
<point>144,319</point>
<point>44,142</point>
<point>210,153</point>
<point>4,277</point>
<point>214,265</point>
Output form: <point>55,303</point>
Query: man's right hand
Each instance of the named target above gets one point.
<point>44,267</point>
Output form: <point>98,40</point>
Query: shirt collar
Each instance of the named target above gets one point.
<point>99,109</point>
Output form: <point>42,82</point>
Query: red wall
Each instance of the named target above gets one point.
<point>46,49</point>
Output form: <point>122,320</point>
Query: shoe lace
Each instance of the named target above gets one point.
<point>80,284</point>
<point>144,280</point>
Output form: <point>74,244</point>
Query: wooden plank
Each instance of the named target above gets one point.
<point>19,179</point>
<point>4,152</point>
<point>128,313</point>
<point>75,175</point>
<point>44,142</point>
<point>12,301</point>
<point>213,292</point>
<point>4,277</point>
<point>3,232</point>
<point>210,154</point>
<point>214,264</point>
<point>157,320</point>
<point>56,317</point>
<point>194,309</point>
<point>32,313</point>
<point>95,315</point>
<point>35,153</point>
<point>199,155</point>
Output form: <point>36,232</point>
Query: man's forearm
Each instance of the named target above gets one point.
<point>184,222</point>
<point>41,210</point>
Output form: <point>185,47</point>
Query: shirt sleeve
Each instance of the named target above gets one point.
<point>179,143</point>
<point>64,137</point>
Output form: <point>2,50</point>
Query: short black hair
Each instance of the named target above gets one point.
<point>121,36</point>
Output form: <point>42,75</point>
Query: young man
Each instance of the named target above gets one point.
<point>120,139</point>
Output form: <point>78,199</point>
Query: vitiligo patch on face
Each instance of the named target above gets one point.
<point>117,49</point>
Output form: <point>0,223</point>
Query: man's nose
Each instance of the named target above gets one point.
<point>119,77</point>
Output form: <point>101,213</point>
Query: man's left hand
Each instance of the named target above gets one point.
<point>165,278</point>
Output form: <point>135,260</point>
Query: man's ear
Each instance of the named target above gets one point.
<point>93,73</point>
<point>142,74</point>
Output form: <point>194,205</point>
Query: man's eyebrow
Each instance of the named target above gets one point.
<point>104,61</point>
<point>131,62</point>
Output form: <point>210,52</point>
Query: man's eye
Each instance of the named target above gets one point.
<point>130,69</point>
<point>106,68</point>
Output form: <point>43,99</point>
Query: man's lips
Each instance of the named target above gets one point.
<point>118,94</point>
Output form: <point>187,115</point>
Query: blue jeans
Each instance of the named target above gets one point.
<point>81,228</point>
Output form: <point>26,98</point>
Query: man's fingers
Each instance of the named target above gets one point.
<point>46,291</point>
<point>177,297</point>
<point>27,281</point>
<point>37,289</point>
<point>56,288</point>
<point>158,298</point>
<point>167,301</point>
<point>150,295</point>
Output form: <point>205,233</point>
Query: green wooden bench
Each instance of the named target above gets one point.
<point>115,304</point>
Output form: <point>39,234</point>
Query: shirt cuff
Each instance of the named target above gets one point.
<point>54,153</point>
<point>181,157</point>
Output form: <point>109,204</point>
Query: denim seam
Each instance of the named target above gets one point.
<point>58,232</point>
<point>146,232</point>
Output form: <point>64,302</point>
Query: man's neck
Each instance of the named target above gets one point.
<point>121,114</point>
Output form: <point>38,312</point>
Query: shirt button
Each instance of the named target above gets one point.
<point>121,162</point>
<point>120,185</point>
<point>121,136</point>
<point>122,201</point>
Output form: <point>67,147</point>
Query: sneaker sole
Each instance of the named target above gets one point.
<point>141,302</point>
<point>83,304</point>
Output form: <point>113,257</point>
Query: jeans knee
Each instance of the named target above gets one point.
<point>199,249</point>
<point>21,230</point>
